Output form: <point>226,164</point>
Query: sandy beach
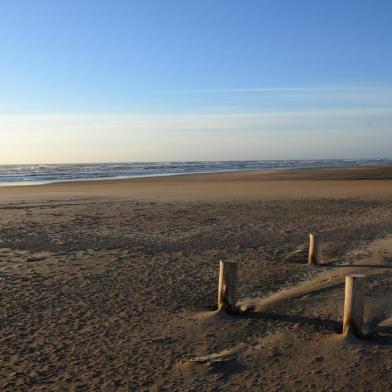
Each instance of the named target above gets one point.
<point>112,285</point>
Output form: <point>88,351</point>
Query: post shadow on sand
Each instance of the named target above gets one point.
<point>332,325</point>
<point>374,266</point>
<point>376,335</point>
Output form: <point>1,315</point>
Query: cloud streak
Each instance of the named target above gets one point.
<point>290,97</point>
<point>262,121</point>
<point>294,89</point>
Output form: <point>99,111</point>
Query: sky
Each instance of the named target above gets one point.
<point>175,80</point>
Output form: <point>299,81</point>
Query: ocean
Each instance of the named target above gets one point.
<point>44,174</point>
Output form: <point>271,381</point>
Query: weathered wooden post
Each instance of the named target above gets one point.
<point>354,305</point>
<point>314,249</point>
<point>227,290</point>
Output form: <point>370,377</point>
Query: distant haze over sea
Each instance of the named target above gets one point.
<point>43,174</point>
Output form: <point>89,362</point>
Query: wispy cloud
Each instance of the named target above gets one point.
<point>219,100</point>
<point>313,95</point>
<point>294,89</point>
<point>292,98</point>
<point>351,117</point>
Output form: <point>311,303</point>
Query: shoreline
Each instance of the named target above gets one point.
<point>269,171</point>
<point>174,174</point>
<point>363,181</point>
<point>126,178</point>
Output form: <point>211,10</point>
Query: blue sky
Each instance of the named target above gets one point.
<point>172,80</point>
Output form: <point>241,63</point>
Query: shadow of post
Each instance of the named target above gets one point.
<point>332,325</point>
<point>382,335</point>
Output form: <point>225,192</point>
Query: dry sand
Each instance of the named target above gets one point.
<point>111,285</point>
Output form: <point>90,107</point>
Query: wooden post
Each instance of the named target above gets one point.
<point>227,291</point>
<point>354,305</point>
<point>314,249</point>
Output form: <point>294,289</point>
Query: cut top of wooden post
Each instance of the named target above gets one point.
<point>314,249</point>
<point>228,281</point>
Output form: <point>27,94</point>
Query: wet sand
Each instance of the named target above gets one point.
<point>111,285</point>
